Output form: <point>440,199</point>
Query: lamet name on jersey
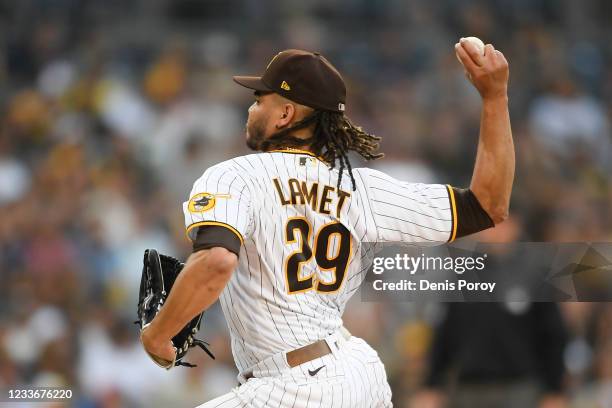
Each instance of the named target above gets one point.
<point>321,198</point>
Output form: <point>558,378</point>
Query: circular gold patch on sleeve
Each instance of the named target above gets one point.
<point>201,202</point>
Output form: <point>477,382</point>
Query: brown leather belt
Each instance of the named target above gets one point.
<point>307,353</point>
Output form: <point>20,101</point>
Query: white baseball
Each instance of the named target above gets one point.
<point>477,42</point>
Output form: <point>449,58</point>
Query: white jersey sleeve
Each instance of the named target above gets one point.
<point>220,197</point>
<point>409,212</point>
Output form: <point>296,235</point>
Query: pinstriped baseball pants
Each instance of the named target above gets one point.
<point>352,376</point>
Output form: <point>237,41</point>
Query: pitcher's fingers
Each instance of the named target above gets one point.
<point>465,59</point>
<point>472,51</point>
<point>500,55</point>
<point>489,51</point>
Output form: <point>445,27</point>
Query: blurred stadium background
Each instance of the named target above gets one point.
<point>109,110</point>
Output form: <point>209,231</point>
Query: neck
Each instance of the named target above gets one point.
<point>290,141</point>
<point>303,134</point>
<point>297,135</point>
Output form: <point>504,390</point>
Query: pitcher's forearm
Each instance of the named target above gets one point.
<point>494,169</point>
<point>197,287</point>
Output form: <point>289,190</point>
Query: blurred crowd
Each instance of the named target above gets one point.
<point>109,110</point>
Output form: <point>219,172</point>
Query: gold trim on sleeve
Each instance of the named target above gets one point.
<point>451,195</point>
<point>217,223</point>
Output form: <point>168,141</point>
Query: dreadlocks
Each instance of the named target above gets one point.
<point>334,135</point>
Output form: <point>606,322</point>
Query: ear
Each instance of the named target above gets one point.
<point>286,115</point>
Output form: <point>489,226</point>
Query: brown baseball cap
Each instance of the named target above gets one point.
<point>304,77</point>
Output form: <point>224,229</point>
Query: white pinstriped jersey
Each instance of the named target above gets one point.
<point>300,261</point>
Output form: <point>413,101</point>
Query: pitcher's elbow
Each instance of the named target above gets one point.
<point>221,261</point>
<point>499,215</point>
<point>214,264</point>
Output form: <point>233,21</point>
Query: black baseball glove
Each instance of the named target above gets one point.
<point>158,275</point>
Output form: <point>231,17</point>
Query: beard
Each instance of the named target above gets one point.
<point>256,134</point>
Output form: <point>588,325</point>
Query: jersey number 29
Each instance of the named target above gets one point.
<point>337,262</point>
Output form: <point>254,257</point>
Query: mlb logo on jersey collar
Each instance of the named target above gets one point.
<point>307,161</point>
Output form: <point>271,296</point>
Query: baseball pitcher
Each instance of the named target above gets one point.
<point>277,234</point>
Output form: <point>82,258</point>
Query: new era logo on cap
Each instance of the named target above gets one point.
<point>314,80</point>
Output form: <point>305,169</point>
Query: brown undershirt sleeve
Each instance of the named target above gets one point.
<point>210,236</point>
<point>468,215</point>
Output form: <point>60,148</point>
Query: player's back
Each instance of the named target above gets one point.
<point>300,258</point>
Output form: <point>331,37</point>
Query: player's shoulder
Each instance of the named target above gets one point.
<point>248,162</point>
<point>244,167</point>
<point>369,176</point>
<point>240,164</point>
<point>225,169</point>
<point>378,179</point>
<point>254,165</point>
